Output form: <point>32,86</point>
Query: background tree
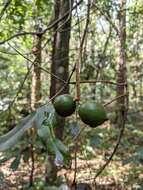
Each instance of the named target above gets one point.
<point>122,70</point>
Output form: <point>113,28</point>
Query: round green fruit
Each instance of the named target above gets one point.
<point>64,105</point>
<point>92,113</point>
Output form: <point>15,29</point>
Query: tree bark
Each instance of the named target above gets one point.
<point>60,54</point>
<point>60,68</point>
<point>35,93</point>
<point>122,69</point>
<point>53,66</point>
<point>36,73</point>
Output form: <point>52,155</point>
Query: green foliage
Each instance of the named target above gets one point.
<point>14,165</point>
<point>44,121</point>
<point>99,62</point>
<point>1,178</point>
<point>10,139</point>
<point>53,144</point>
<point>95,140</point>
<point>72,128</point>
<point>136,158</point>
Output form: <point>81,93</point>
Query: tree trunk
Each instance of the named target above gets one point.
<point>35,93</point>
<point>60,59</point>
<point>60,68</point>
<point>36,73</point>
<point>122,70</point>
<point>53,66</point>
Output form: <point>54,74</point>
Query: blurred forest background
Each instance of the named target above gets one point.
<point>93,50</point>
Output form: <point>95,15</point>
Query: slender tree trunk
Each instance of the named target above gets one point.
<point>60,54</point>
<point>36,73</point>
<point>60,67</point>
<point>35,94</point>
<point>122,70</point>
<point>53,66</point>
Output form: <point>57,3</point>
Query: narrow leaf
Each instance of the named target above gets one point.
<point>40,116</point>
<point>1,178</point>
<point>74,128</point>
<point>10,139</point>
<point>44,132</point>
<point>14,165</point>
<point>61,146</point>
<point>58,159</point>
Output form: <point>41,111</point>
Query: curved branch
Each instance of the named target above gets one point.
<point>124,116</point>
<point>19,34</point>
<point>116,98</point>
<point>96,81</point>
<point>114,151</point>
<point>65,85</point>
<point>107,18</point>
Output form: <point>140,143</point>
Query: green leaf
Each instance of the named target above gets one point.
<point>33,120</point>
<point>1,178</point>
<point>45,113</point>
<point>61,146</point>
<point>136,158</point>
<point>129,160</point>
<point>52,119</point>
<point>44,132</point>
<point>52,147</point>
<point>6,157</point>
<point>139,133</point>
<point>10,139</point>
<point>59,158</point>
<point>95,140</point>
<point>40,116</point>
<point>14,165</point>
<point>139,154</point>
<point>74,128</point>
<point>26,155</point>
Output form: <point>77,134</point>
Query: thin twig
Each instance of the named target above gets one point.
<point>45,70</point>
<point>75,159</point>
<point>115,149</point>
<point>28,72</point>
<point>4,8</point>
<point>78,63</point>
<point>65,85</point>
<point>116,98</point>
<point>31,178</point>
<point>107,18</point>
<point>100,81</point>
<point>20,87</point>
<point>18,35</point>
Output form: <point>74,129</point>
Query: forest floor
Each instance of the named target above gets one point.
<point>125,171</point>
<point>116,177</point>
